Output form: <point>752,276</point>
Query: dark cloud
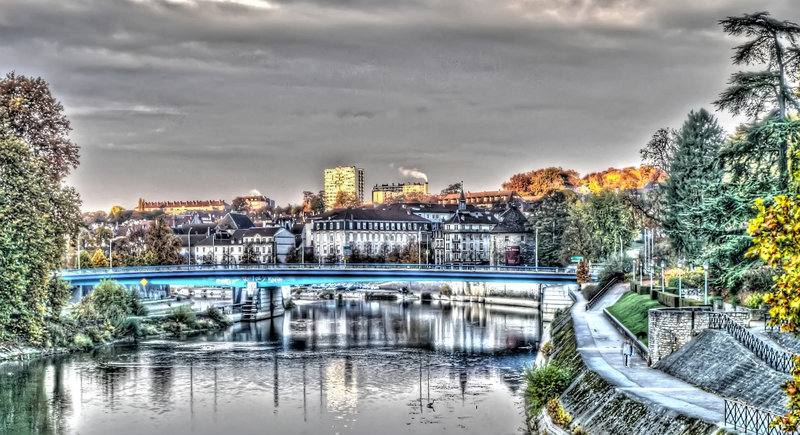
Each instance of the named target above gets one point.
<point>211,98</point>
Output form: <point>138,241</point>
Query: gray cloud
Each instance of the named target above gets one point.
<point>210,98</point>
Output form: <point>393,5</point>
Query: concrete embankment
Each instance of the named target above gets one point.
<point>717,362</point>
<point>600,408</point>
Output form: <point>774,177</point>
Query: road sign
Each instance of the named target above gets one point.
<point>143,282</point>
<point>347,251</point>
<point>576,259</point>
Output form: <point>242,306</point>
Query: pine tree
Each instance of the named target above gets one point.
<point>99,259</point>
<point>549,216</point>
<point>249,255</point>
<point>689,189</point>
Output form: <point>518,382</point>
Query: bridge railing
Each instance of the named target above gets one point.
<point>318,266</point>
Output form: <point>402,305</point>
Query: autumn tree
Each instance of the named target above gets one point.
<point>314,203</point>
<point>543,181</point>
<point>162,243</point>
<point>774,231</point>
<point>99,259</point>
<point>346,199</point>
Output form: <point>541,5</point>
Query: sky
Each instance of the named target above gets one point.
<point>208,99</point>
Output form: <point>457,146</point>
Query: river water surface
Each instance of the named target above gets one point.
<point>327,367</point>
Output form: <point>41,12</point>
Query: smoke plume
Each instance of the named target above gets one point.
<point>412,173</point>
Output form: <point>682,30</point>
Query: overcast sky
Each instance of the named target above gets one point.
<point>199,99</point>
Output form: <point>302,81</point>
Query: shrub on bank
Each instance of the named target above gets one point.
<point>216,316</point>
<point>81,341</point>
<point>589,291</point>
<point>557,413</point>
<point>543,383</point>
<point>182,315</point>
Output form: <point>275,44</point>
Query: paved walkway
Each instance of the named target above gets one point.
<point>599,344</point>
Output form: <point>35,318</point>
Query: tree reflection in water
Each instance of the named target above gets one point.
<point>333,366</point>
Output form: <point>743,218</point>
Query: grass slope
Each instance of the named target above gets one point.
<point>631,310</point>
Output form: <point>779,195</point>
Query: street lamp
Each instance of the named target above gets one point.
<point>635,268</point>
<point>189,239</point>
<point>705,289</point>
<point>652,265</point>
<point>662,275</point>
<point>680,273</point>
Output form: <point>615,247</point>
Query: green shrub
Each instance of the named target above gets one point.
<point>183,315</point>
<point>754,300</point>
<point>589,291</point>
<point>557,413</point>
<point>544,383</point>
<point>135,305</point>
<point>215,314</point>
<point>758,280</point>
<point>132,327</point>
<point>445,290</point>
<point>735,301</point>
<point>205,324</point>
<point>81,341</point>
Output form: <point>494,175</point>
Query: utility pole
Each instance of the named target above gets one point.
<point>536,248</point>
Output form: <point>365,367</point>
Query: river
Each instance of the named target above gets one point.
<point>326,367</point>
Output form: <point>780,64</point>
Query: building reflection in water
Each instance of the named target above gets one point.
<point>348,367</point>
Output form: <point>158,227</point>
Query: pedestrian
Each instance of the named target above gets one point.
<point>624,353</point>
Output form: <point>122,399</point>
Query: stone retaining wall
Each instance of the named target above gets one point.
<point>670,328</point>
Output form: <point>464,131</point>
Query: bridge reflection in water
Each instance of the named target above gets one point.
<point>351,367</point>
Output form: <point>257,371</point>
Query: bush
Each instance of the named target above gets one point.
<point>82,342</point>
<point>589,291</point>
<point>735,301</point>
<point>135,305</point>
<point>547,349</point>
<point>758,280</point>
<point>182,315</point>
<point>617,267</point>
<point>557,413</point>
<point>131,327</point>
<point>217,317</point>
<point>445,290</point>
<point>544,383</point>
<point>754,300</point>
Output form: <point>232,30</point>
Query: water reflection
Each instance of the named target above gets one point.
<point>326,367</point>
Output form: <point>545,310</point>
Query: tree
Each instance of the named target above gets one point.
<point>99,259</point>
<point>314,203</point>
<point>775,242</point>
<point>659,152</point>
<point>543,181</point>
<point>162,243</point>
<point>597,226</point>
<point>345,199</point>
<point>578,240</point>
<point>690,188</point>
<point>249,255</point>
<point>29,112</point>
<point>239,205</point>
<point>86,260</point>
<point>452,188</point>
<point>549,216</point>
<point>583,273</point>
<point>772,44</point>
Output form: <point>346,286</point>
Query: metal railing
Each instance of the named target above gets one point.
<point>319,266</point>
<point>779,360</point>
<point>750,419</point>
<point>596,298</point>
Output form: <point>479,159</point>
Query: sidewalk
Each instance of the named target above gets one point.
<point>599,344</point>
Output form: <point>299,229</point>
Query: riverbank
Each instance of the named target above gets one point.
<point>181,322</point>
<point>597,406</point>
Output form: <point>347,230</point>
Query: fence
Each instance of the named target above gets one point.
<point>779,360</point>
<point>750,419</point>
<point>600,294</point>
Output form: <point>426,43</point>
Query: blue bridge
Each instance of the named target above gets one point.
<point>271,275</point>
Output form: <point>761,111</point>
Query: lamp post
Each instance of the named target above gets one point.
<point>705,288</point>
<point>419,245</point>
<point>652,265</point>
<point>189,239</point>
<point>635,267</point>
<point>680,274</point>
<point>111,251</point>
<point>662,275</point>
